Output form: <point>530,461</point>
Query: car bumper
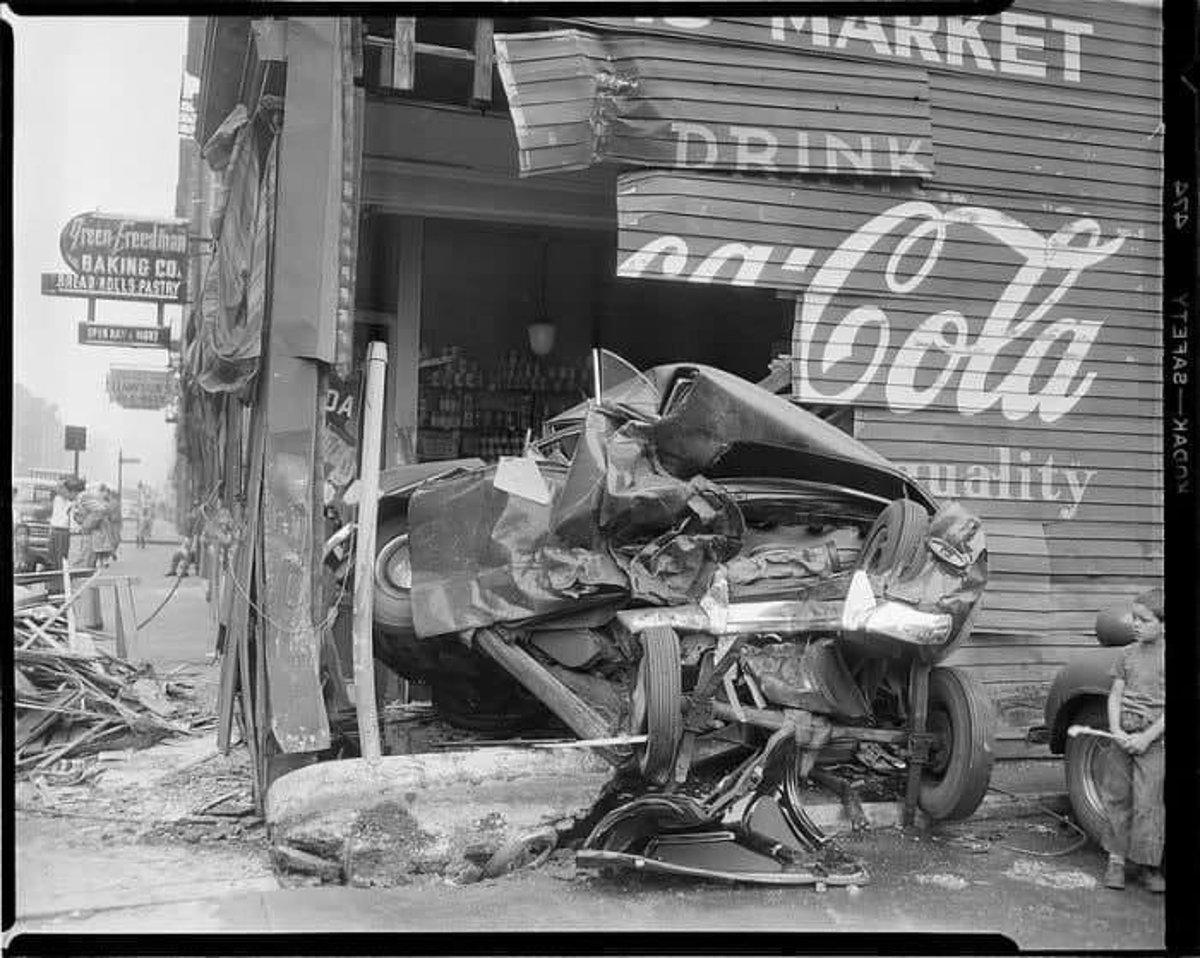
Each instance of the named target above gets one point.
<point>1038,735</point>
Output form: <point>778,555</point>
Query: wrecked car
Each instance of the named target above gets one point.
<point>718,589</point>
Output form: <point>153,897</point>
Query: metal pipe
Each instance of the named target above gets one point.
<point>364,553</point>
<point>773,719</point>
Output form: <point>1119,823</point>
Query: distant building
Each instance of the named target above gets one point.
<point>37,438</point>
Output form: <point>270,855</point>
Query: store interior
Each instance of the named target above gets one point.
<point>509,314</point>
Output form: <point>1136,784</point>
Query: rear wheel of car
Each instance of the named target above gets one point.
<point>660,688</point>
<point>1086,758</point>
<point>895,542</point>
<point>392,606</point>
<point>498,710</point>
<point>962,723</point>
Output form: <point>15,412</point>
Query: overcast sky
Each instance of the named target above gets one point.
<point>95,107</point>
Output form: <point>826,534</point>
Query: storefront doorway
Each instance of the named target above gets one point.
<point>486,379</point>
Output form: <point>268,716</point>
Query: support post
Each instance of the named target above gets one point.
<point>403,53</point>
<point>918,707</point>
<point>72,639</point>
<point>485,58</point>
<point>364,552</point>
<point>405,348</point>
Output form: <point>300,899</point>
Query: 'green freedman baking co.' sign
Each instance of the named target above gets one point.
<point>117,257</point>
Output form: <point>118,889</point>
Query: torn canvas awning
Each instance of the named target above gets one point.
<point>224,353</point>
<point>579,98</point>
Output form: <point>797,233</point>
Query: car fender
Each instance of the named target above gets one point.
<point>1087,675</point>
<point>399,480</point>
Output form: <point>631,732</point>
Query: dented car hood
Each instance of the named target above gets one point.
<point>640,514</point>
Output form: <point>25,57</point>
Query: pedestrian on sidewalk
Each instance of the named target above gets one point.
<point>145,518</point>
<point>188,552</point>
<point>60,521</point>
<point>93,510</point>
<point>116,521</point>
<point>1133,790</point>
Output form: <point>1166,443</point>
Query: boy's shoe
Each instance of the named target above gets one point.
<point>1153,880</point>
<point>1114,875</point>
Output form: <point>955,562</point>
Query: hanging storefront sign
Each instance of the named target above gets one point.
<point>136,388</point>
<point>116,257</point>
<point>578,98</point>
<point>98,334</point>
<point>340,435</point>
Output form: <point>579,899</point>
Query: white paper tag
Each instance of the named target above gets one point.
<point>519,476</point>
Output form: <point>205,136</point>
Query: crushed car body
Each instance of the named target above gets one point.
<point>703,573</point>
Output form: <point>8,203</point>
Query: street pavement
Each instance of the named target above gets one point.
<point>180,624</point>
<point>921,882</point>
<point>971,877</point>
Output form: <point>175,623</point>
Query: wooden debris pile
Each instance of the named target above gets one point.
<point>73,698</point>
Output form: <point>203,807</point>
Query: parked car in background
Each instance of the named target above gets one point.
<point>695,560</point>
<point>1079,696</point>
<point>32,503</point>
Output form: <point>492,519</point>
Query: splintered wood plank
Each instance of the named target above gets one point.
<point>128,636</point>
<point>235,664</point>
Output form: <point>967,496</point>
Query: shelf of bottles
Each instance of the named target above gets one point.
<point>465,408</point>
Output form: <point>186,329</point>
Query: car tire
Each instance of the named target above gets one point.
<point>957,775</point>
<point>472,692</point>
<point>660,673</point>
<point>1083,759</point>
<point>392,606</point>
<point>895,542</point>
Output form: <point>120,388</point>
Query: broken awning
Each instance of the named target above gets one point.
<point>579,98</point>
<point>226,327</point>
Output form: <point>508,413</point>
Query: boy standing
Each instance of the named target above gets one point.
<point>1133,793</point>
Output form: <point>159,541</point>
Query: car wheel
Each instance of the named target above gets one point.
<point>392,606</point>
<point>501,710</point>
<point>896,540</point>
<point>661,689</point>
<point>962,723</point>
<point>1085,758</point>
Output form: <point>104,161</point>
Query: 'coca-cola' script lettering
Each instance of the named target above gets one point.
<point>966,363</point>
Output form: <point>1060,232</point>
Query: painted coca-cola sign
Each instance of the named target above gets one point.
<point>920,303</point>
<point>947,358</point>
<point>120,257</point>
<point>907,303</point>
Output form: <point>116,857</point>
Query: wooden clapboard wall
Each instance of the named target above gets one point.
<point>578,98</point>
<point>1046,141</point>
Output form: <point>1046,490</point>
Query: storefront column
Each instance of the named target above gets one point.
<point>300,343</point>
<point>405,346</point>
